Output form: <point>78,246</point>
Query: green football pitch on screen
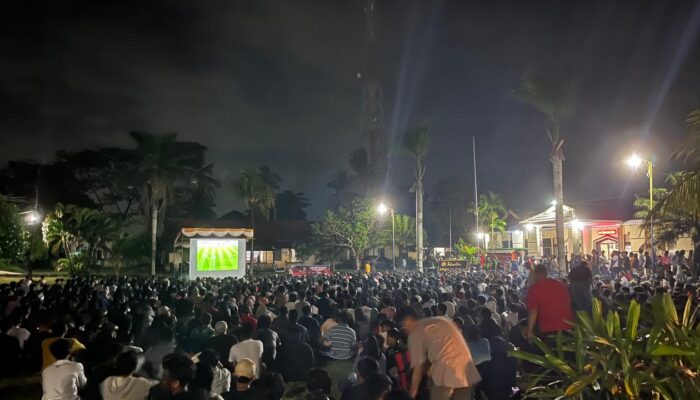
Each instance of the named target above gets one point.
<point>217,255</point>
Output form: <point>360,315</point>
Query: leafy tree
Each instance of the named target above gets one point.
<point>105,176</point>
<point>466,251</point>
<point>353,227</point>
<point>555,102</point>
<point>129,250</point>
<point>82,235</point>
<point>291,206</point>
<point>416,144</point>
<point>166,170</point>
<point>14,236</point>
<point>404,232</point>
<point>54,184</point>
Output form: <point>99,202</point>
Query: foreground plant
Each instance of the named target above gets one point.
<point>653,355</point>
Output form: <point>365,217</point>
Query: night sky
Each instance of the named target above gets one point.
<point>275,82</point>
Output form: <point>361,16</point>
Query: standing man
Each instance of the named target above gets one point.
<point>548,305</point>
<point>581,280</point>
<point>438,351</point>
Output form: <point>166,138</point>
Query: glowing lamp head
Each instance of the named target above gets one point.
<point>577,224</point>
<point>634,161</point>
<point>554,202</point>
<point>32,217</point>
<point>529,227</point>
<point>382,209</point>
<point>480,235</point>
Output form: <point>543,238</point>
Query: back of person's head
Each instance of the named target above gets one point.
<point>244,310</point>
<point>293,316</point>
<point>366,367</point>
<point>306,310</point>
<point>485,314</point>
<point>319,380</point>
<point>442,309</point>
<point>203,377</point>
<point>471,332</point>
<point>165,334</point>
<point>271,386</point>
<point>377,386</point>
<point>59,329</point>
<point>540,270</point>
<point>264,322</point>
<point>178,368</point>
<point>246,331</point>
<point>206,319</point>
<point>208,357</point>
<point>126,364</point>
<point>283,311</point>
<point>60,349</point>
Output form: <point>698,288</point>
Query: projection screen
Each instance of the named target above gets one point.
<point>217,258</point>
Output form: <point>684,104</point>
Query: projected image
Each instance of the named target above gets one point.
<point>217,255</point>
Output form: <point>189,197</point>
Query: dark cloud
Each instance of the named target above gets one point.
<point>274,82</point>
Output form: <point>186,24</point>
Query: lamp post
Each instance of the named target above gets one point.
<point>634,161</point>
<point>382,209</point>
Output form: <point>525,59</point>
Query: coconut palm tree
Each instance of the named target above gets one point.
<point>416,144</point>
<point>556,103</point>
<point>162,165</point>
<point>492,211</point>
<point>254,189</point>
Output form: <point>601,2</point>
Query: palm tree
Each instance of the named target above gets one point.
<point>161,165</point>
<point>416,144</point>
<point>556,103</point>
<point>684,193</point>
<point>681,205</point>
<point>252,187</point>
<point>492,211</point>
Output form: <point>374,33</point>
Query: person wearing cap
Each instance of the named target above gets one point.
<point>548,305</point>
<point>245,373</point>
<point>221,342</point>
<point>247,348</point>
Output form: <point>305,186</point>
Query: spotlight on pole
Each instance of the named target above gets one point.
<point>529,227</point>
<point>480,235</point>
<point>577,224</point>
<point>554,202</point>
<point>382,209</point>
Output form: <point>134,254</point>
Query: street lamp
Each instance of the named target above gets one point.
<point>31,217</point>
<point>382,209</point>
<point>634,161</point>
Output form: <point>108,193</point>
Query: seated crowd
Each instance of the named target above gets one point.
<point>400,335</point>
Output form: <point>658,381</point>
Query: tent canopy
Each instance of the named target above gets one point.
<point>233,233</point>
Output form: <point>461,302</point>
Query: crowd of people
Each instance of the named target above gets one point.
<point>393,335</point>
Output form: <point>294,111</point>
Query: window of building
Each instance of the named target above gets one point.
<point>547,245</point>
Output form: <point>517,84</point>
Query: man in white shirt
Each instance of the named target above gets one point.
<point>62,379</point>
<point>247,347</point>
<point>16,331</point>
<point>123,385</point>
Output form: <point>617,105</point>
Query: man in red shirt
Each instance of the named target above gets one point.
<point>246,316</point>
<point>548,304</point>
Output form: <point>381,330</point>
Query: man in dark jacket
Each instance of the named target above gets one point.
<point>297,356</point>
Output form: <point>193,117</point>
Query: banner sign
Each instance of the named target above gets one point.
<point>453,265</point>
<point>607,231</point>
<point>306,270</point>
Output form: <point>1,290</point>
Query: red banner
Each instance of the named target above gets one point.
<point>307,270</point>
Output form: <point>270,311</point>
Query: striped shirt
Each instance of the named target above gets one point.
<point>343,340</point>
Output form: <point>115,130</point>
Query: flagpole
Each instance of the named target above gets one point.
<point>476,195</point>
